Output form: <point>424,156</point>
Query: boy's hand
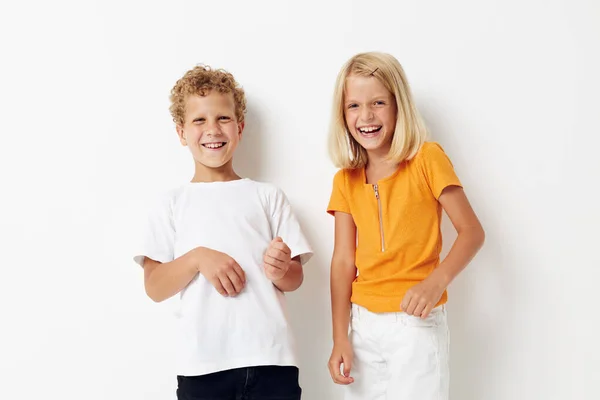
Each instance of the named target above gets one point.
<point>222,271</point>
<point>420,299</point>
<point>277,259</point>
<point>342,353</point>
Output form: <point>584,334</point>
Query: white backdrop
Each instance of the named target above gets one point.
<point>509,88</point>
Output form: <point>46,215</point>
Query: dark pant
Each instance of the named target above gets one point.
<point>254,383</point>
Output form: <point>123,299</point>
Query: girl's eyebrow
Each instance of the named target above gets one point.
<point>379,96</point>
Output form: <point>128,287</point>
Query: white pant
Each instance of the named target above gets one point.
<point>398,356</point>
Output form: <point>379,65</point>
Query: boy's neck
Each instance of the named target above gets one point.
<point>222,174</point>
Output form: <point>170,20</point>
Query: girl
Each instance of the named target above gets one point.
<point>387,201</point>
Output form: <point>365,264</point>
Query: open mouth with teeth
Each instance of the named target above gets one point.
<point>369,131</point>
<point>214,146</point>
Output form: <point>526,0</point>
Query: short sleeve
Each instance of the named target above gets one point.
<point>437,168</point>
<point>158,235</point>
<point>285,225</point>
<point>337,201</point>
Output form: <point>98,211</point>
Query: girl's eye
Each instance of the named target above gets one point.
<point>352,106</point>
<point>379,103</point>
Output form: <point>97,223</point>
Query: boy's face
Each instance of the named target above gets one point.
<point>210,129</point>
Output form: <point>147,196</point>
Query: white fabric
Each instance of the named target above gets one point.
<point>398,356</point>
<point>239,218</point>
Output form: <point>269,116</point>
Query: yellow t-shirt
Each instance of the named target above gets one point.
<point>398,225</point>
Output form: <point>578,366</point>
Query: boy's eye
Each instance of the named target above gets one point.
<point>224,118</point>
<point>198,120</point>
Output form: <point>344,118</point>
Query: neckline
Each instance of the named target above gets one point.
<point>382,180</point>
<point>219,183</point>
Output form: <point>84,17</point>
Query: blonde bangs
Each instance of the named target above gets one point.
<point>410,132</point>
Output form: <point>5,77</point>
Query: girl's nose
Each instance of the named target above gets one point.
<point>366,114</point>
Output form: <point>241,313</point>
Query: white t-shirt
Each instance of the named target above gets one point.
<point>239,218</point>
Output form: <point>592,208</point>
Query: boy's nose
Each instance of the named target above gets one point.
<point>212,130</point>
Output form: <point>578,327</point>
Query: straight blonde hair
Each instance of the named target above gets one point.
<point>410,132</point>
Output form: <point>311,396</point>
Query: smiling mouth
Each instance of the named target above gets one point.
<point>370,130</point>
<point>214,146</point>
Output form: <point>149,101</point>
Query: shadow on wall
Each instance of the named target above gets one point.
<point>310,315</point>
<point>473,314</point>
<point>308,307</point>
<point>248,157</point>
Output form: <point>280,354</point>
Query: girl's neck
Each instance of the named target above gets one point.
<point>378,168</point>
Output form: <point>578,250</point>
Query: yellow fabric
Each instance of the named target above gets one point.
<point>411,217</point>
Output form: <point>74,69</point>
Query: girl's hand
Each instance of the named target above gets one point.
<point>341,354</point>
<point>422,298</point>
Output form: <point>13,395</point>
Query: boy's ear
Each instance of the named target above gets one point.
<point>240,129</point>
<point>181,134</point>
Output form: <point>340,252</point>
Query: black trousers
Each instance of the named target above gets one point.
<point>253,383</point>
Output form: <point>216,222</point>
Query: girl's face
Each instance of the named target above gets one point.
<point>370,112</point>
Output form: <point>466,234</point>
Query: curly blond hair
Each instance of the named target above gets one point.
<point>201,80</point>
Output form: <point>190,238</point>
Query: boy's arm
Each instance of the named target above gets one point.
<point>164,280</point>
<point>285,272</point>
<point>284,267</point>
<point>293,277</point>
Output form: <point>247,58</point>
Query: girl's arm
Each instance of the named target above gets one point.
<point>470,233</point>
<point>421,298</point>
<point>343,273</point>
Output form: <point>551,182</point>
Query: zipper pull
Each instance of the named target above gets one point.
<point>376,190</point>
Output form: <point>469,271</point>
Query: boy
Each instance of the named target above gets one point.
<point>229,248</point>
